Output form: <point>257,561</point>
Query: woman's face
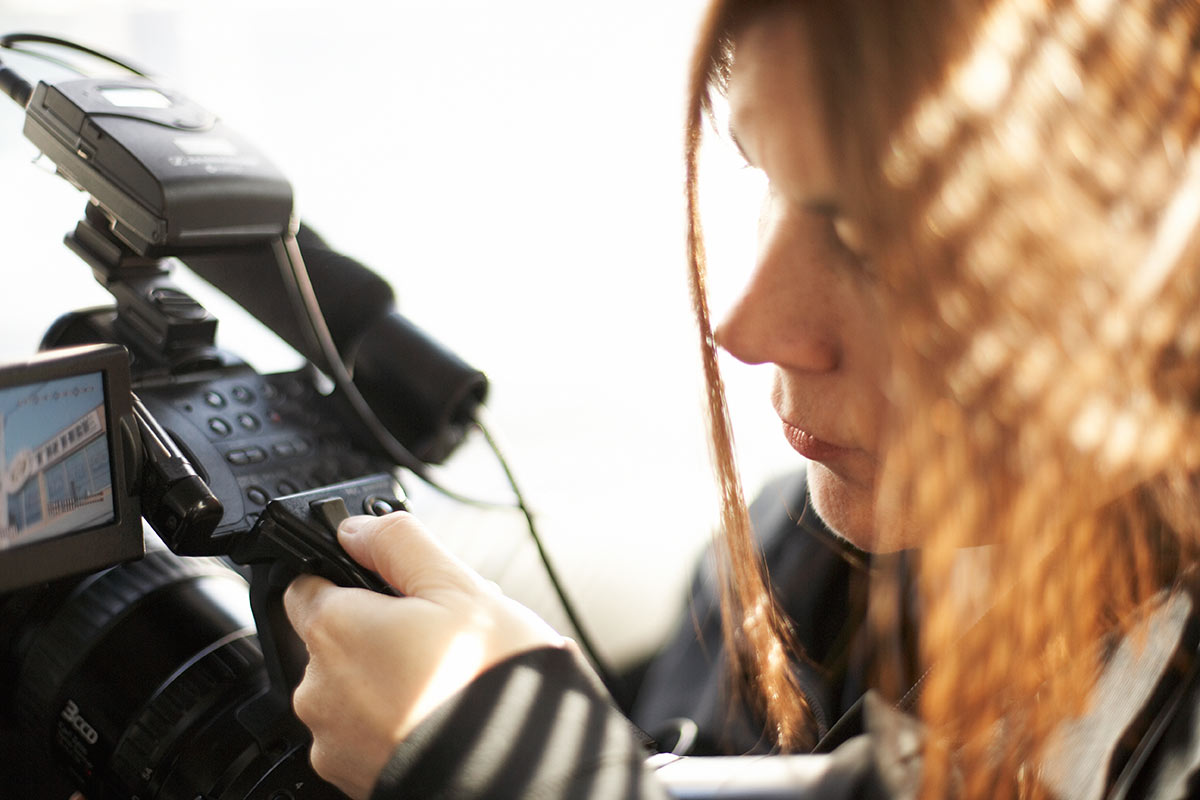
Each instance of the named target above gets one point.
<point>810,305</point>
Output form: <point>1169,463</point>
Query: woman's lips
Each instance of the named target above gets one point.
<point>810,446</point>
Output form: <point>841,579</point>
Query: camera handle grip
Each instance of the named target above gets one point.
<point>268,717</point>
<point>296,535</point>
<point>283,653</point>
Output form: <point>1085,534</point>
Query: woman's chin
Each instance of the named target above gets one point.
<point>848,509</point>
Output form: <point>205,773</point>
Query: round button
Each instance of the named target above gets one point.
<point>257,495</point>
<point>219,426</point>
<point>287,487</point>
<point>377,506</point>
<point>248,421</point>
<point>214,399</point>
<point>242,394</point>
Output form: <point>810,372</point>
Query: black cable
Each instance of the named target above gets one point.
<point>602,669</point>
<point>20,90</point>
<point>9,39</point>
<point>308,311</point>
<point>50,59</point>
<point>15,86</point>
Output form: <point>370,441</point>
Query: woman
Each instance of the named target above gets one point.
<point>977,280</point>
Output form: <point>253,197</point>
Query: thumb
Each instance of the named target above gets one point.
<point>350,534</point>
<point>406,555</point>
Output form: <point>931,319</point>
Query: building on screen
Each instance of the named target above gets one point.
<point>64,483</point>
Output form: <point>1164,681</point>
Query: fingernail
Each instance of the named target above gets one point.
<point>352,525</point>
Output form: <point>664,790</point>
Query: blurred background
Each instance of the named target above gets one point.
<point>514,170</point>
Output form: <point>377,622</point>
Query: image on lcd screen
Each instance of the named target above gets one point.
<point>55,476</point>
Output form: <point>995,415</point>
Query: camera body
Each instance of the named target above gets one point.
<point>73,505</point>
<point>134,669</point>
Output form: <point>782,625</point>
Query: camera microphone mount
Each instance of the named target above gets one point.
<point>170,332</point>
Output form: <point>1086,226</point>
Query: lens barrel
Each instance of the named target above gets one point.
<point>147,681</point>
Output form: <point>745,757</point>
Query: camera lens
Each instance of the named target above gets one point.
<point>147,681</point>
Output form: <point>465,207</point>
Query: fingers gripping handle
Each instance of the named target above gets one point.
<point>296,535</point>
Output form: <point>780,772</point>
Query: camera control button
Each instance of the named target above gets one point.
<point>242,394</point>
<point>331,511</point>
<point>248,421</point>
<point>239,458</point>
<point>257,495</point>
<point>255,455</point>
<point>284,449</point>
<point>377,506</point>
<point>287,487</point>
<point>219,426</point>
<point>214,399</point>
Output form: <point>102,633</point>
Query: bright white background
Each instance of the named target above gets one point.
<point>514,170</point>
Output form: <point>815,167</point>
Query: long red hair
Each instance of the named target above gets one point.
<point>1027,177</point>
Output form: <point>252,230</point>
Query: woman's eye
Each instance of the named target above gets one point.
<point>850,234</point>
<point>849,240</point>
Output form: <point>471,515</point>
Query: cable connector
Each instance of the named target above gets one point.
<point>15,86</point>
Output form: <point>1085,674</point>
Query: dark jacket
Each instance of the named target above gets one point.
<point>540,726</point>
<point>821,582</point>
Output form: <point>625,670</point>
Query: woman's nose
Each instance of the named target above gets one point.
<point>787,314</point>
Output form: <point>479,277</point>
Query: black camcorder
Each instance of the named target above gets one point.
<point>131,668</point>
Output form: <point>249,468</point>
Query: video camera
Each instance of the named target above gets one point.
<point>169,675</point>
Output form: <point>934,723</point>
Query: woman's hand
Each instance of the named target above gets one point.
<point>378,664</point>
